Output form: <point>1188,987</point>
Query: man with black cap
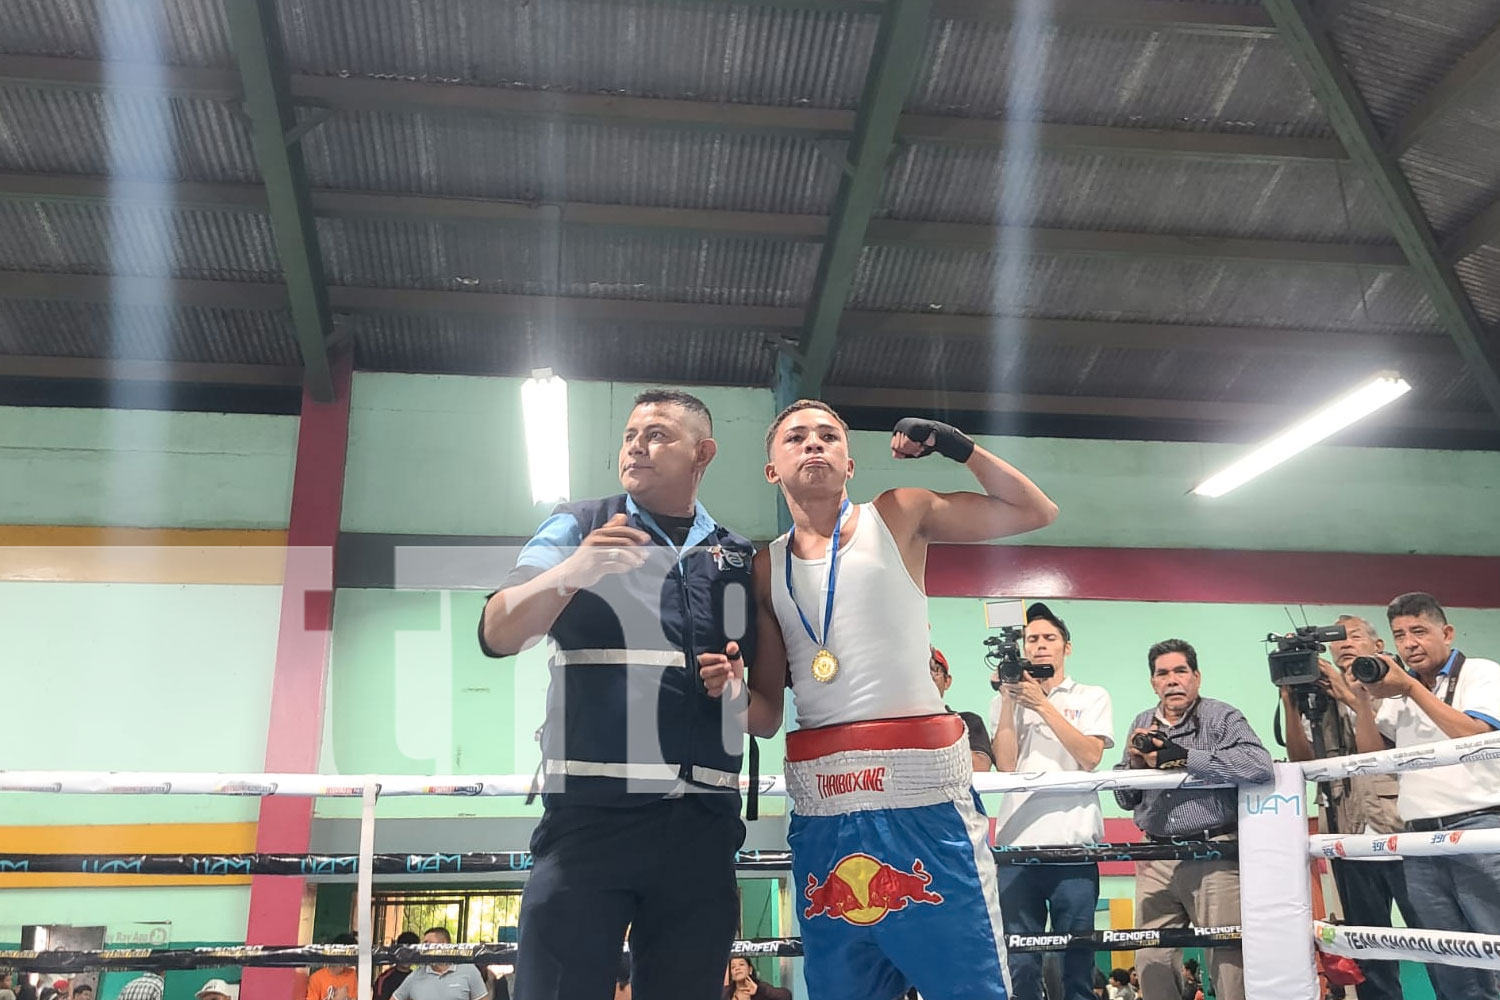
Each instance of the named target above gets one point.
<point>1047,721</point>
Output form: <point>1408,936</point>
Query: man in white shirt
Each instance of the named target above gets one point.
<point>1050,723</point>
<point>1445,695</point>
<point>1363,804</point>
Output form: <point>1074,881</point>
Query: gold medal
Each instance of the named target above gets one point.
<point>825,667</point>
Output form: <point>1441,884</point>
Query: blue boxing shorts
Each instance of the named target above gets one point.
<point>890,850</point>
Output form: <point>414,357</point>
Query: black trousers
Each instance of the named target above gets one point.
<point>664,870</point>
<point>1367,889</point>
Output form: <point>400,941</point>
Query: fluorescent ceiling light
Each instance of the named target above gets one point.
<point>544,411</point>
<point>1361,402</point>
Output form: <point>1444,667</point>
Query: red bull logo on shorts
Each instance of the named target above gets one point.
<point>862,890</point>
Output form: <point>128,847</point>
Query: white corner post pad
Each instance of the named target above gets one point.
<point>1276,888</point>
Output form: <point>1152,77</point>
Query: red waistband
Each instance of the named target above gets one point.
<point>920,732</point>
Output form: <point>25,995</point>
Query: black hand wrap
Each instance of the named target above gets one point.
<point>947,440</point>
<point>1171,755</point>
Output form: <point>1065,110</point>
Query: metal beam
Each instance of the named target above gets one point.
<point>1202,18</point>
<point>128,370</point>
<point>368,94</point>
<point>1210,412</point>
<point>1319,62</point>
<point>256,38</point>
<point>1477,67</point>
<point>1110,335</point>
<point>142,291</point>
<point>965,236</point>
<point>893,69</point>
<point>772,319</point>
<point>770,225</point>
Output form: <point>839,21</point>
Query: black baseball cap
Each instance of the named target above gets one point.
<point>1040,611</point>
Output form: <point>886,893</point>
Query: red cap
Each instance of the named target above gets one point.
<point>61,986</point>
<point>937,654</point>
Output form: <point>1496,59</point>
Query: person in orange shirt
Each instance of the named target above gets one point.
<point>334,982</point>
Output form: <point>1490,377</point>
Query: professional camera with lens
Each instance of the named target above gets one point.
<point>1372,669</point>
<point>1003,656</point>
<point>1168,754</point>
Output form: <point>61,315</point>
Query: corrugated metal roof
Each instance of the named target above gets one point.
<point>714,355</point>
<point>535,160</point>
<point>589,262</point>
<point>1116,75</point>
<point>717,52</point>
<point>1455,165</point>
<point>125,133</point>
<point>1141,289</point>
<point>1480,274</point>
<point>1298,200</point>
<point>999,364</point>
<point>136,239</point>
<point>76,329</point>
<point>176,32</point>
<point>1398,50</point>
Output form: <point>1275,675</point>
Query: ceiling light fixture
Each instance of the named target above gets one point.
<point>1355,405</point>
<point>544,411</point>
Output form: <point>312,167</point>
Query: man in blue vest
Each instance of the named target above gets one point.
<point>641,767</point>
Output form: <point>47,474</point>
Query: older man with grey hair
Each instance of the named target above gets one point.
<point>1365,804</point>
<point>442,982</point>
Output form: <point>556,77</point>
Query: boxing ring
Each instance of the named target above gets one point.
<point>1278,935</point>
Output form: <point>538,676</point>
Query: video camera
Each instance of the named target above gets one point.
<point>1003,657</point>
<point>1295,661</point>
<point>1294,665</point>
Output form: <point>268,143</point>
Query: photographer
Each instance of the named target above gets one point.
<point>1212,741</point>
<point>1046,721</point>
<point>1445,695</point>
<point>1365,804</point>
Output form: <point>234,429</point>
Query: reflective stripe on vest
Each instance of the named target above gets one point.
<point>618,658</point>
<point>641,772</point>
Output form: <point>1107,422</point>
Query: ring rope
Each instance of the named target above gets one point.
<point>460,863</point>
<point>1471,951</point>
<point>1417,757</point>
<point>1438,843</point>
<point>489,785</point>
<point>282,957</point>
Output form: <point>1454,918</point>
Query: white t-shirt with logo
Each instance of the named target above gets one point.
<point>1442,791</point>
<point>1030,818</point>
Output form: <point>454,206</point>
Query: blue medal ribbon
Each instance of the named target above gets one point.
<point>833,569</point>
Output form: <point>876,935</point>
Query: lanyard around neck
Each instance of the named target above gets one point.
<point>833,560</point>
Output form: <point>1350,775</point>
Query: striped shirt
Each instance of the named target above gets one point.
<point>1221,746</point>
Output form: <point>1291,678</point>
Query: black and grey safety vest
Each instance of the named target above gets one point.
<point>627,716</point>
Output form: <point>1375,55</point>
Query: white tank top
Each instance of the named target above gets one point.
<point>879,631</point>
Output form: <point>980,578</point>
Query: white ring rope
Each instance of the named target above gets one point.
<point>1413,758</point>
<point>388,785</point>
<point>1471,951</point>
<point>1438,843</point>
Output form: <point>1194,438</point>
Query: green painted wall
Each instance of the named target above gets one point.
<point>144,468</point>
<point>444,455</point>
<point>136,677</point>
